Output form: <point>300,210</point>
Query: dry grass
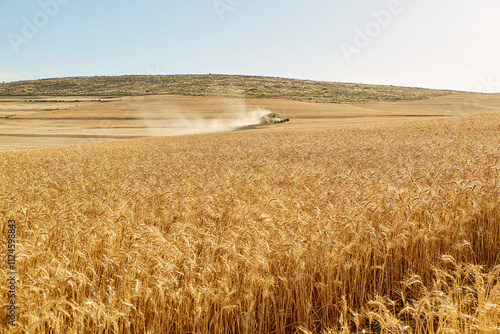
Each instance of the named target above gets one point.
<point>218,85</point>
<point>389,228</point>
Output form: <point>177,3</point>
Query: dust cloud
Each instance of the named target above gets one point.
<point>172,120</point>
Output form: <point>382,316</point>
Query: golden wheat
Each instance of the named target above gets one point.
<point>390,229</point>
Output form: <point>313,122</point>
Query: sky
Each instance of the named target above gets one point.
<point>445,44</point>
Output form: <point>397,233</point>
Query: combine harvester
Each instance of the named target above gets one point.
<point>272,118</point>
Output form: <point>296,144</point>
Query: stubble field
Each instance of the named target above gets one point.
<point>375,217</point>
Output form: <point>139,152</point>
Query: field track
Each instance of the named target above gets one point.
<point>71,120</point>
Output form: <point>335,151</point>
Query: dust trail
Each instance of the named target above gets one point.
<point>195,123</point>
<point>232,115</point>
<point>221,114</point>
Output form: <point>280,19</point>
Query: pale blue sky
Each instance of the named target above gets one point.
<point>426,43</point>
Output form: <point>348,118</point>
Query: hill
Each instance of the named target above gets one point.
<point>217,85</point>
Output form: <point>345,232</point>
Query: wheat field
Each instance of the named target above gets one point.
<point>322,226</point>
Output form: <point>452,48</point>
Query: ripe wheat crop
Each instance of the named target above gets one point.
<point>387,229</point>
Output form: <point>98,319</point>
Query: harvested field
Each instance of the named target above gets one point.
<point>48,121</point>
